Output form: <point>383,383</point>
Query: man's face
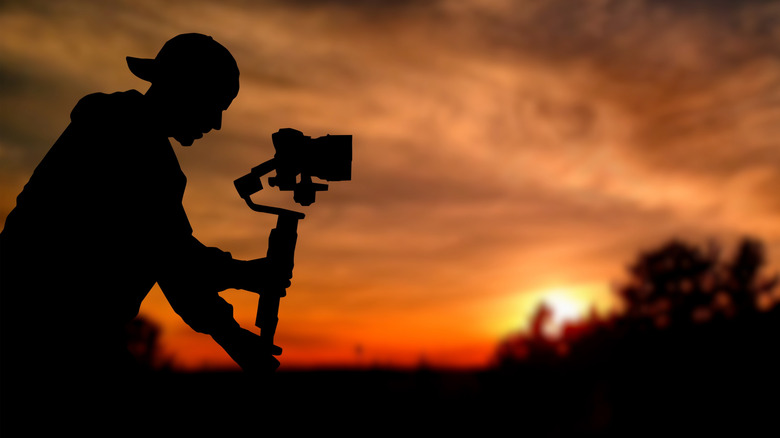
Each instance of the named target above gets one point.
<point>196,117</point>
<point>192,111</point>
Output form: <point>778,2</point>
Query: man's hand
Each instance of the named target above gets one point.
<point>248,350</point>
<point>258,274</point>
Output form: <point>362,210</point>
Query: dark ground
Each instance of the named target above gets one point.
<point>531,400</point>
<point>536,402</point>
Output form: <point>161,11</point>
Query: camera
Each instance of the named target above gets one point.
<point>298,158</point>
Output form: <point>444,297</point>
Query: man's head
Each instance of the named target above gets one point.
<point>194,79</point>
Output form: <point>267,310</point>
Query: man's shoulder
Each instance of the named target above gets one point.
<point>104,106</point>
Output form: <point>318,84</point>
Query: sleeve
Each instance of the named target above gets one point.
<point>191,274</point>
<point>192,282</point>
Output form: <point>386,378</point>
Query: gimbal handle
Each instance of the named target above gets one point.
<point>281,250</point>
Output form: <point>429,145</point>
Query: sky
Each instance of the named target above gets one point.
<point>504,151</point>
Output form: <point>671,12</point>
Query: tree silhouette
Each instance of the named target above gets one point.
<point>682,284</point>
<point>693,350</point>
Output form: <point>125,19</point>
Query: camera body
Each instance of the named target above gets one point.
<point>298,158</point>
<point>328,158</point>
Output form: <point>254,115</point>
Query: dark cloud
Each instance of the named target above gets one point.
<point>355,6</point>
<point>635,34</point>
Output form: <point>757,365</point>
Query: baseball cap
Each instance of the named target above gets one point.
<point>186,57</point>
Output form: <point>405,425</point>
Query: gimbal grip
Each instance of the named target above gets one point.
<point>281,252</point>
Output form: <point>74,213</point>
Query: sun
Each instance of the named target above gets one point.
<point>566,306</point>
<point>568,303</point>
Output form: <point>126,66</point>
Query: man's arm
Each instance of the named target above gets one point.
<point>192,284</point>
<point>192,288</point>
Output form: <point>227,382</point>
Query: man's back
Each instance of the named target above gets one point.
<point>99,212</point>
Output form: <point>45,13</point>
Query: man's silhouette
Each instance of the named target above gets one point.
<point>101,221</point>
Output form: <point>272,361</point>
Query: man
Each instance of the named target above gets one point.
<point>101,221</point>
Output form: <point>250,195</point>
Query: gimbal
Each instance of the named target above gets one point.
<point>293,158</point>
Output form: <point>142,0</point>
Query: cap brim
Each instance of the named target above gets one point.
<point>142,67</point>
